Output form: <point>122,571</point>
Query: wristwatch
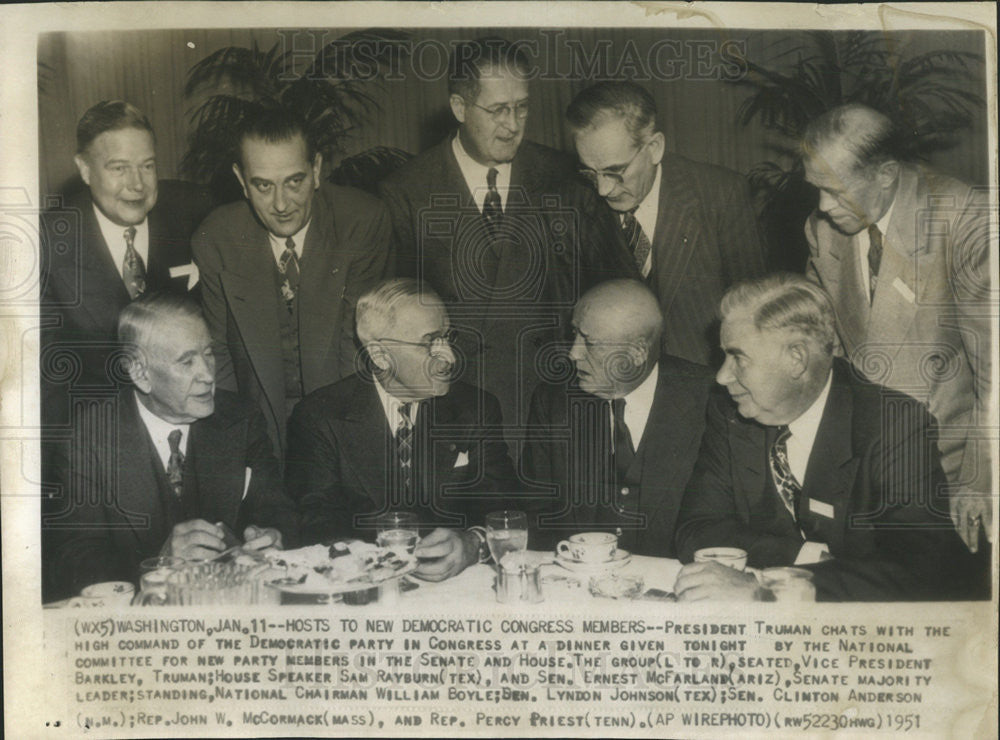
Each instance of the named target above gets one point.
<point>484,550</point>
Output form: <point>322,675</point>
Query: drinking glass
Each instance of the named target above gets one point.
<point>153,579</point>
<point>506,531</point>
<point>398,531</point>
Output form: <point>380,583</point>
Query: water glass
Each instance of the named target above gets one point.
<point>398,531</point>
<point>506,531</point>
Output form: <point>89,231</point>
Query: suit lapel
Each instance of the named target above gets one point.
<point>321,296</point>
<point>218,466</point>
<point>138,490</point>
<point>676,235</point>
<point>831,469</point>
<point>366,442</point>
<point>750,443</point>
<point>102,291</point>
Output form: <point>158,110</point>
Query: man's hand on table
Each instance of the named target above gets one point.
<point>714,582</point>
<point>261,538</point>
<point>445,553</point>
<point>195,539</point>
<point>969,512</point>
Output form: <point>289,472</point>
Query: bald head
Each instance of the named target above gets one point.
<point>618,326</point>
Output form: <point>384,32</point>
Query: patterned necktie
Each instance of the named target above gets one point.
<point>874,258</point>
<point>788,487</point>
<point>624,450</point>
<point>492,205</point>
<point>404,445</point>
<point>133,270</point>
<point>175,465</point>
<point>288,266</point>
<point>638,244</point>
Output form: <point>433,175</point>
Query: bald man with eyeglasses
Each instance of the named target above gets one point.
<point>689,227</point>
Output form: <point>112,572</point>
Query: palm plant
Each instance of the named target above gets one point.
<point>930,96</point>
<point>331,92</point>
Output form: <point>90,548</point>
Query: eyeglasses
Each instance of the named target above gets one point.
<point>500,112</point>
<point>617,178</point>
<point>447,337</point>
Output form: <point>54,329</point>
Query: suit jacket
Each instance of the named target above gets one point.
<point>346,252</point>
<point>510,295</point>
<point>872,492</point>
<point>82,291</point>
<point>341,460</point>
<point>706,238</point>
<point>568,452</point>
<point>113,516</point>
<point>927,333</point>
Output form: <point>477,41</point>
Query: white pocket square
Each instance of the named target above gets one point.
<point>247,474</point>
<point>190,270</point>
<point>462,460</point>
<point>821,508</point>
<point>904,290</point>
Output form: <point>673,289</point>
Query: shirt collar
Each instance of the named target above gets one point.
<point>642,395</point>
<point>159,431</point>
<point>475,175</point>
<point>391,406</point>
<point>278,242</point>
<point>805,427</point>
<point>883,223</point>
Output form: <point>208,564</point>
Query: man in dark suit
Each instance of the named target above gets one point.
<point>500,228</point>
<point>815,467</point>
<point>281,271</point>
<point>617,447</point>
<point>408,438</point>
<point>690,227</point>
<point>170,461</point>
<point>905,255</point>
<point>125,234</point>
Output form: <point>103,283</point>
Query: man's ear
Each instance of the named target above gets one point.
<point>379,355</point>
<point>83,166</point>
<point>317,167</point>
<point>457,103</point>
<point>887,174</point>
<point>138,371</point>
<point>657,146</point>
<point>797,356</point>
<point>638,351</point>
<point>239,176</point>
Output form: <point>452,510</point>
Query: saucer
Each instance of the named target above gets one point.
<point>621,558</point>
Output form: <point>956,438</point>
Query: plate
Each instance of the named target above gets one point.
<point>621,558</point>
<point>299,571</point>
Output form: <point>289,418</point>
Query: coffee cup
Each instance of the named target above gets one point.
<point>110,593</point>
<point>732,557</point>
<point>589,547</point>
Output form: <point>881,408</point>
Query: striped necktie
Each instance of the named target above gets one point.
<point>492,205</point>
<point>288,266</point>
<point>133,269</point>
<point>175,465</point>
<point>638,244</point>
<point>784,480</point>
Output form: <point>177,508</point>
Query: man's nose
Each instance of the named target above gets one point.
<point>605,185</point>
<point>206,370</point>
<point>442,350</point>
<point>134,180</point>
<point>826,201</point>
<point>576,351</point>
<point>280,200</point>
<point>725,375</point>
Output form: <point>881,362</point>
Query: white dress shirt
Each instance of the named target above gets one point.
<point>114,237</point>
<point>863,243</point>
<point>159,431</point>
<point>638,404</point>
<point>799,445</point>
<point>475,176</point>
<point>391,406</point>
<point>278,243</point>
<point>645,214</point>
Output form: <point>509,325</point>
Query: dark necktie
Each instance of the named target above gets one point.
<point>638,244</point>
<point>404,445</point>
<point>133,270</point>
<point>624,450</point>
<point>874,258</point>
<point>175,465</point>
<point>492,205</point>
<point>788,487</point>
<point>288,266</point>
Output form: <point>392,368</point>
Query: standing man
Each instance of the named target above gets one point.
<point>282,271</point>
<point>407,438</point>
<point>904,253</point>
<point>689,226</point>
<point>126,233</point>
<point>815,467</point>
<point>620,443</point>
<point>499,228</point>
<point>180,463</point>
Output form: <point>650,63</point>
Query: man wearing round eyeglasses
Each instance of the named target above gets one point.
<point>500,226</point>
<point>404,437</point>
<point>689,227</point>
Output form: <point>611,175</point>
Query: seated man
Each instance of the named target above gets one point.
<point>407,438</point>
<point>818,468</point>
<point>178,464</point>
<point>619,443</point>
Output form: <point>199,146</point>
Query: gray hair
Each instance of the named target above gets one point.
<point>869,135</point>
<point>609,100</point>
<point>786,302</point>
<point>377,309</point>
<point>140,319</point>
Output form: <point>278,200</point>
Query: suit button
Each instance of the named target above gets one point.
<point>625,491</point>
